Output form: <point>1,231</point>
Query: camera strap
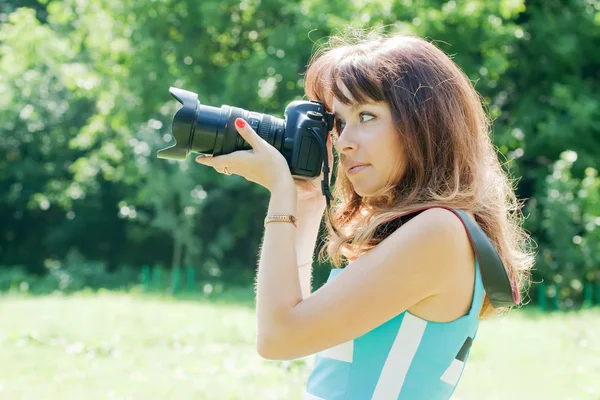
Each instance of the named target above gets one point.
<point>325,183</point>
<point>500,288</point>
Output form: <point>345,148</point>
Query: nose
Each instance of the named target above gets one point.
<point>345,141</point>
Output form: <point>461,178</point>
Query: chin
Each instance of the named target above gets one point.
<point>364,192</point>
<point>371,192</point>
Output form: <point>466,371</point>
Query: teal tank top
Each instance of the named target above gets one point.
<point>404,358</point>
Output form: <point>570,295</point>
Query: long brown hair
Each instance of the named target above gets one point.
<point>449,157</point>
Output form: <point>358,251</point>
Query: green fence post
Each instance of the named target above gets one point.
<point>176,279</point>
<point>542,298</point>
<point>145,278</point>
<point>555,298</point>
<point>156,278</point>
<point>588,300</point>
<point>191,278</point>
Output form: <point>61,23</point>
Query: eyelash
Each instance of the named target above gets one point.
<point>338,122</point>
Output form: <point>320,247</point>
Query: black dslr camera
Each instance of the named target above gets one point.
<point>300,137</point>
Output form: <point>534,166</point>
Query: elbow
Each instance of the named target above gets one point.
<point>278,340</point>
<point>271,348</point>
<point>266,348</point>
<point>270,337</point>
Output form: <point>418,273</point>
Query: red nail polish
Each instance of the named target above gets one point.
<point>240,123</point>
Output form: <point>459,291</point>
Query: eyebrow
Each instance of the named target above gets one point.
<point>354,107</point>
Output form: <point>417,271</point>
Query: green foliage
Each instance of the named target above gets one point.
<point>568,219</point>
<point>85,107</point>
<point>14,278</point>
<point>73,274</point>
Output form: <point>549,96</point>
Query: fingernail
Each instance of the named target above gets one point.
<point>240,123</point>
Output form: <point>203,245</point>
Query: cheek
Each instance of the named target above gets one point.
<point>392,159</point>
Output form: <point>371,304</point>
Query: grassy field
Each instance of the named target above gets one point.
<point>134,346</point>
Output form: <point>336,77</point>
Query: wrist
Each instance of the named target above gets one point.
<point>283,198</point>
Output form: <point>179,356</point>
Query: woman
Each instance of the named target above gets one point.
<point>397,321</point>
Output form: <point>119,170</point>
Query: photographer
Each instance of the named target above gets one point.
<point>400,310</point>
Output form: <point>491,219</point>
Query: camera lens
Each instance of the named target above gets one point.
<point>215,130</point>
<point>211,130</point>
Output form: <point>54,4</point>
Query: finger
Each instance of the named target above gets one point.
<point>248,134</point>
<point>231,160</point>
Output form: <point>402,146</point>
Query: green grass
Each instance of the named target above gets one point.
<point>133,346</point>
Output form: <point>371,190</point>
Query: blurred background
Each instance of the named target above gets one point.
<point>125,276</point>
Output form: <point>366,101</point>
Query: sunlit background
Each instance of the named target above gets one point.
<point>125,276</point>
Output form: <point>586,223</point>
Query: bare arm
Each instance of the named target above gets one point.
<point>309,214</point>
<point>427,257</point>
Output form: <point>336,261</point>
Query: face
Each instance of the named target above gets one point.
<point>366,135</point>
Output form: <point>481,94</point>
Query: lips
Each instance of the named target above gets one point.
<point>355,167</point>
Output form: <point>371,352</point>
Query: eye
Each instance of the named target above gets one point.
<point>339,125</point>
<point>367,116</point>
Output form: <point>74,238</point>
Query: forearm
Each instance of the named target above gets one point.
<point>278,287</point>
<point>309,214</point>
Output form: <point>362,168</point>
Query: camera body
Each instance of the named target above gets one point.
<point>300,137</point>
<point>300,147</point>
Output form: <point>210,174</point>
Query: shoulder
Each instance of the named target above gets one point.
<point>437,226</point>
<point>438,236</point>
<point>438,219</point>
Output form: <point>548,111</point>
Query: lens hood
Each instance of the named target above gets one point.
<point>184,124</point>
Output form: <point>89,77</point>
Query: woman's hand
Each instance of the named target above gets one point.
<point>263,164</point>
<point>311,189</point>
